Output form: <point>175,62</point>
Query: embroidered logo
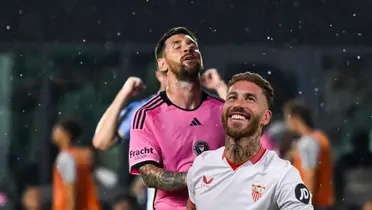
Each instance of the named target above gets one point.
<point>257,192</point>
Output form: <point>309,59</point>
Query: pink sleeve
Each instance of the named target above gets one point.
<point>143,148</point>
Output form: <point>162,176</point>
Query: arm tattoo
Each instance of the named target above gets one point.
<point>155,177</point>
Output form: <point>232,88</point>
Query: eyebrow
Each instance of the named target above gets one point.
<point>245,94</point>
<point>175,42</point>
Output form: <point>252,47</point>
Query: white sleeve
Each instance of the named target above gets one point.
<point>291,193</point>
<point>66,166</point>
<point>309,149</point>
<point>190,184</point>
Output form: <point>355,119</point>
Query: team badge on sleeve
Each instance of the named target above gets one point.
<point>200,147</point>
<point>257,192</point>
<point>302,193</point>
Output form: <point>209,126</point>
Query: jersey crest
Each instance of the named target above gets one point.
<point>257,192</point>
<point>200,147</point>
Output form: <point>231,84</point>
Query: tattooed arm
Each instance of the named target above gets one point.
<point>155,177</point>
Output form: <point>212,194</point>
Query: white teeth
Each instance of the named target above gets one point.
<point>236,116</point>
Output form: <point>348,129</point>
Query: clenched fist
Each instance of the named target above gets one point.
<point>133,86</point>
<point>211,79</point>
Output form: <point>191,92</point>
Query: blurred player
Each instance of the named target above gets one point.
<point>169,131</point>
<point>243,174</point>
<point>312,154</point>
<point>73,183</point>
<point>114,126</point>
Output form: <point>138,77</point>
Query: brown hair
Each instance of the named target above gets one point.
<point>258,80</point>
<point>299,109</point>
<point>161,43</point>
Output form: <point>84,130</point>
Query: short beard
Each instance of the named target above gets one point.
<point>187,75</point>
<point>248,131</point>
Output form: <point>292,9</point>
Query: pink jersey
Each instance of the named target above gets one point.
<point>171,137</point>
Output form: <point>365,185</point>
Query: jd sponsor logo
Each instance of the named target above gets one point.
<point>141,153</point>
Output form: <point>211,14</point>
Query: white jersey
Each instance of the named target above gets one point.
<point>264,182</point>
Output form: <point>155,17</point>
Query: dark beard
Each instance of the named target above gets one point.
<point>183,73</point>
<point>248,131</point>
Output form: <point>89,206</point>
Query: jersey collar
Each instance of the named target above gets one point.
<point>164,96</point>
<point>252,160</point>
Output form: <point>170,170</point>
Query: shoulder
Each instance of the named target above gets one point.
<point>274,166</point>
<point>308,141</point>
<point>65,157</point>
<point>213,98</point>
<point>208,157</point>
<point>146,110</point>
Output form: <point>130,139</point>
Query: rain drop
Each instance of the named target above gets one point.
<point>7,27</point>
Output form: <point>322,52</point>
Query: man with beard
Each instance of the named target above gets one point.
<point>176,125</point>
<point>243,174</point>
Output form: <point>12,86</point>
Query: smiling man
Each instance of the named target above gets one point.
<point>243,175</point>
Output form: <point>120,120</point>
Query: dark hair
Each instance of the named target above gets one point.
<point>258,80</point>
<point>72,127</point>
<point>299,109</point>
<point>125,197</point>
<point>159,49</point>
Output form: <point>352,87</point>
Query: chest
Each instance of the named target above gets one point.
<point>235,190</point>
<point>186,134</point>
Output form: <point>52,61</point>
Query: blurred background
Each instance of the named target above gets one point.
<point>70,58</point>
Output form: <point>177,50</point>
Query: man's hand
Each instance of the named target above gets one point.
<point>133,86</point>
<point>155,177</point>
<point>211,79</point>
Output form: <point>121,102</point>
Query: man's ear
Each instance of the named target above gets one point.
<point>162,65</point>
<point>266,117</point>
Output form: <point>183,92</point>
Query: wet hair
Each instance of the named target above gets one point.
<point>259,81</point>
<point>159,49</point>
<point>299,109</point>
<point>72,127</point>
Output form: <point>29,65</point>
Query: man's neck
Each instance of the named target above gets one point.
<point>64,146</point>
<point>187,95</point>
<point>304,130</point>
<point>242,150</point>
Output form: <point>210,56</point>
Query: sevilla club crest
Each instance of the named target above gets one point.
<point>257,192</point>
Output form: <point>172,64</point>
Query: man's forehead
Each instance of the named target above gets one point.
<point>245,87</point>
<point>178,37</point>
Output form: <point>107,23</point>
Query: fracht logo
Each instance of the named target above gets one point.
<point>139,152</point>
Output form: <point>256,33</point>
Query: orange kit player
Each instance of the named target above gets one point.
<point>73,184</point>
<point>311,155</point>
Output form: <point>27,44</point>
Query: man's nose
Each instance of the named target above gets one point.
<point>187,48</point>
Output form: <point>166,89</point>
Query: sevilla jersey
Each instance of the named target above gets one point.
<point>171,137</point>
<point>264,182</point>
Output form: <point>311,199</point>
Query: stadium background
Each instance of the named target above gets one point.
<point>69,58</point>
